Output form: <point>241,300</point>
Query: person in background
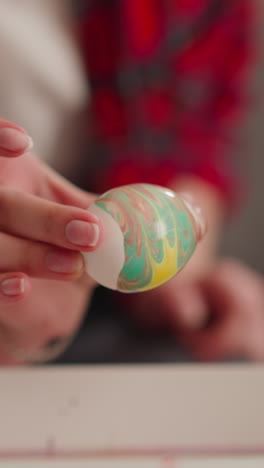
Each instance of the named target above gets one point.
<point>117,92</point>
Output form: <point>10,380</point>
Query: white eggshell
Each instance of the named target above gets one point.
<point>106,262</point>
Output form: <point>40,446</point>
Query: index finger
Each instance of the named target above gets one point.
<point>37,219</point>
<point>14,140</point>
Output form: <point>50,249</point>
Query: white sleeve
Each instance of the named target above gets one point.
<point>42,83</point>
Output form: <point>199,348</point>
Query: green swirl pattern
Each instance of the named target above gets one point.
<point>159,234</point>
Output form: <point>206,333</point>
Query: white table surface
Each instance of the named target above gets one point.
<point>132,416</point>
<point>224,462</point>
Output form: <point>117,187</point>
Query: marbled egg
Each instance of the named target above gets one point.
<point>150,233</point>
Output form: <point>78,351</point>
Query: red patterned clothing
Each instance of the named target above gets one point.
<point>169,80</point>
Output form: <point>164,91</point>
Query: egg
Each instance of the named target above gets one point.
<point>150,234</point>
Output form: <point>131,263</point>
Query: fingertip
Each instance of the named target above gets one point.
<point>187,307</point>
<point>14,142</point>
<point>197,214</point>
<point>66,265</point>
<point>83,235</point>
<point>14,287</point>
<point>206,355</point>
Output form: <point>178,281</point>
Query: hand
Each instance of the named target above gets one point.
<point>216,308</point>
<point>44,224</point>
<point>233,295</point>
<point>219,316</point>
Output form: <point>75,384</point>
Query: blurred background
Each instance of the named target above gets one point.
<point>244,236</point>
<point>60,96</point>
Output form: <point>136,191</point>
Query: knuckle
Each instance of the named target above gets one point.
<point>5,196</point>
<point>25,260</point>
<point>9,201</point>
<point>49,221</point>
<point>30,258</point>
<point>55,327</point>
<point>61,330</point>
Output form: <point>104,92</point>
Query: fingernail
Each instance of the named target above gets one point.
<point>13,286</point>
<point>68,262</point>
<point>197,215</point>
<point>187,197</point>
<point>13,140</point>
<point>82,233</point>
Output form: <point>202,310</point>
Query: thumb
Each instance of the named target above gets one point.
<point>187,307</point>
<point>236,297</point>
<point>66,192</point>
<point>14,141</point>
